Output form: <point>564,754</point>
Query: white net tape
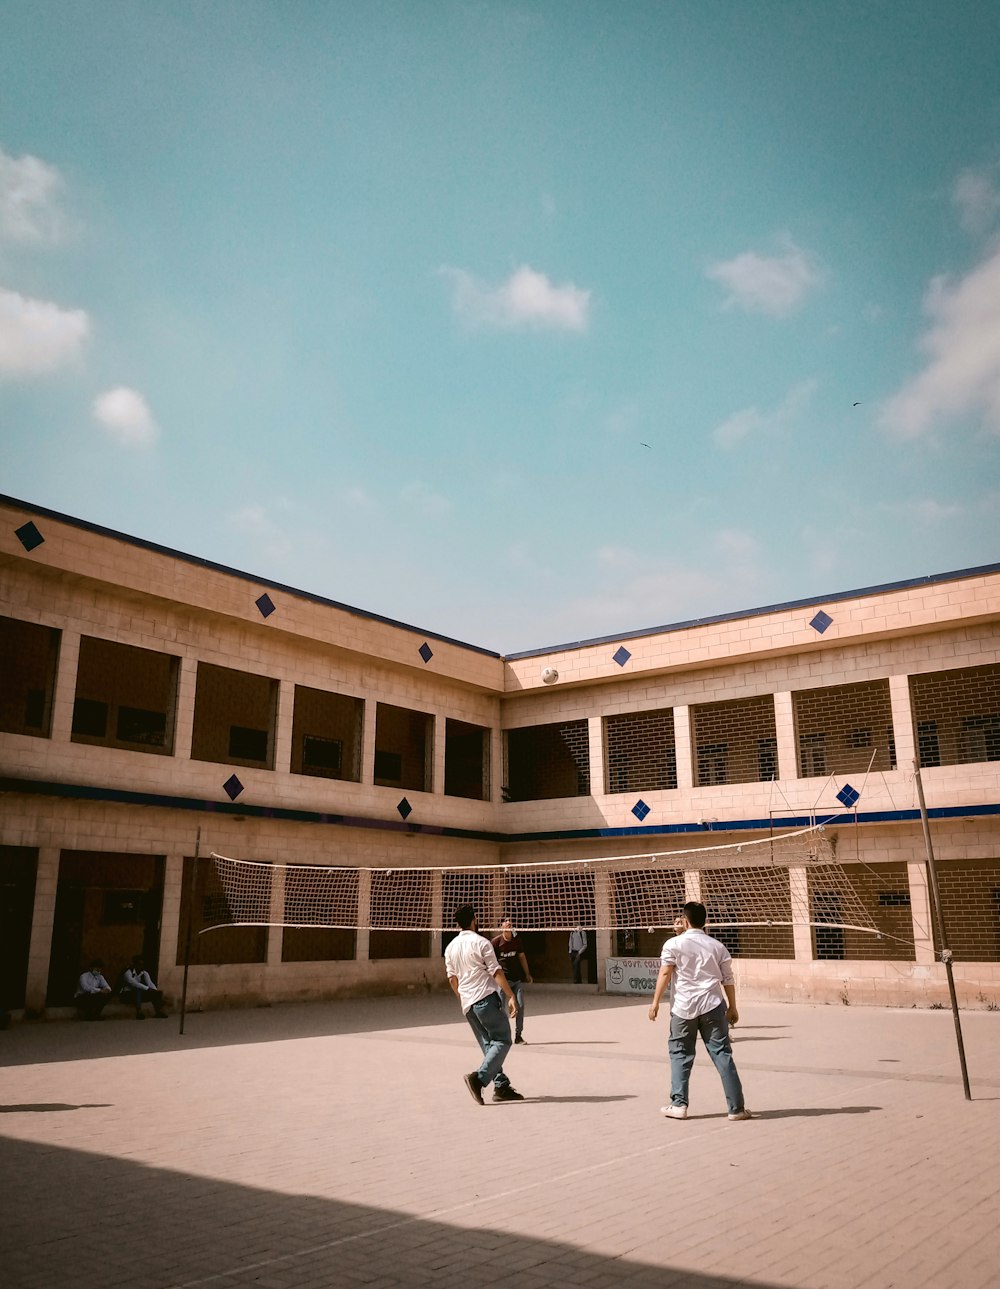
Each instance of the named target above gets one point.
<point>743,884</point>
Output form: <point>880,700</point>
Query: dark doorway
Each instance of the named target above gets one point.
<point>829,939</point>
<point>18,867</point>
<point>108,906</point>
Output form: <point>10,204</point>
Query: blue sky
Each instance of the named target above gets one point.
<point>386,300</point>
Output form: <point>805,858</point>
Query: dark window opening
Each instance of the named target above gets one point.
<point>90,717</point>
<point>713,764</point>
<point>138,726</point>
<point>928,744</point>
<point>767,759</point>
<point>388,768</point>
<point>321,753</point>
<point>247,744</point>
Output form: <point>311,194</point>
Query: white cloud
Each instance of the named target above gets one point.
<point>28,192</point>
<point>528,299</point>
<point>425,499</point>
<point>36,335</point>
<point>125,415</point>
<point>977,199</point>
<point>775,285</point>
<point>924,510</point>
<point>253,522</point>
<point>751,420</point>
<point>962,344</point>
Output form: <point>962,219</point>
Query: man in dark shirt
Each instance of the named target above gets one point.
<point>510,954</point>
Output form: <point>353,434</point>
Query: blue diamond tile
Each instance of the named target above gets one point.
<point>848,795</point>
<point>29,536</point>
<point>621,656</point>
<point>265,604</point>
<point>405,809</point>
<point>640,810</point>
<point>232,787</point>
<point>821,621</point>
<point>426,652</point>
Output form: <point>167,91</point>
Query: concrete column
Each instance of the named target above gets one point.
<point>283,727</point>
<point>438,748</point>
<point>368,742</point>
<point>682,747</point>
<point>187,684</point>
<point>42,919</point>
<point>169,977</point>
<point>784,726</point>
<point>363,938</point>
<point>595,739</point>
<point>437,912</point>
<point>65,687</point>
<point>497,768</point>
<point>920,912</point>
<point>798,883</point>
<point>604,933</point>
<point>902,721</point>
<point>276,915</point>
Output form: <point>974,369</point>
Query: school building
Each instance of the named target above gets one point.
<point>155,706</point>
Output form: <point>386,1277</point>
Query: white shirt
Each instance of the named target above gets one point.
<point>702,965</point>
<point>471,960</point>
<point>138,979</point>
<point>92,982</point>
<point>577,941</point>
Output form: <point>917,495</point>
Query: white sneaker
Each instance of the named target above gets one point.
<point>674,1111</point>
<point>740,1114</point>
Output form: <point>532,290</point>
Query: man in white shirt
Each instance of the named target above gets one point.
<point>704,1003</point>
<point>93,992</point>
<point>476,977</point>
<point>577,952</point>
<point>137,985</point>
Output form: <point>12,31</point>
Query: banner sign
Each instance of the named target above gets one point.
<point>631,975</point>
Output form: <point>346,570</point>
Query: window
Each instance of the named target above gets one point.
<point>137,726</point>
<point>404,748</point>
<point>388,768</point>
<point>767,759</point>
<point>247,744</point>
<point>90,718</point>
<point>928,745</point>
<point>713,764</point>
<point>980,739</point>
<point>548,761</point>
<point>812,755</point>
<point>28,655</point>
<point>321,753</point>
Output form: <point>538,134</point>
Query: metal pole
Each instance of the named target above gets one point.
<point>193,886</point>
<point>946,955</point>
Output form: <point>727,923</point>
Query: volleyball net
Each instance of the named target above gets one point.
<point>781,880</point>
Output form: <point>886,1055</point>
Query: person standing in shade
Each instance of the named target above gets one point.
<point>138,986</point>
<point>704,1003</point>
<point>476,977</point>
<point>93,993</point>
<point>577,950</point>
<point>510,954</point>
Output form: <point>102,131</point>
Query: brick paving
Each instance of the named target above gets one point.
<point>334,1144</point>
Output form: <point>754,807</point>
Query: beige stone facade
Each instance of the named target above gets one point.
<point>138,680</point>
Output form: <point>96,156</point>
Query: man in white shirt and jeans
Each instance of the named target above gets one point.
<point>704,1003</point>
<point>477,980</point>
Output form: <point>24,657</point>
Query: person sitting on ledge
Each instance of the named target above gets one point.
<point>93,993</point>
<point>138,986</point>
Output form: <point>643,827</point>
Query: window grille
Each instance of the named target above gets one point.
<point>956,715</point>
<point>735,741</point>
<point>640,755</point>
<point>547,761</point>
<point>835,729</point>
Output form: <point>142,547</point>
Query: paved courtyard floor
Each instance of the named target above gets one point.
<point>335,1144</point>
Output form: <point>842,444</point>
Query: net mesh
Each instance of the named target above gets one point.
<point>743,884</point>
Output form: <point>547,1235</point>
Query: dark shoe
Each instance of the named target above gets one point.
<point>507,1094</point>
<point>474,1086</point>
<point>519,1039</point>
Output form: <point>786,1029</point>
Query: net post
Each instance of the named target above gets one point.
<point>190,923</point>
<point>946,954</point>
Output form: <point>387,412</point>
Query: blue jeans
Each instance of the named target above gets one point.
<point>492,1030</point>
<point>517,989</point>
<point>714,1030</point>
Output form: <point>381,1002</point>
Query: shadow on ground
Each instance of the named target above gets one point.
<point>41,1042</point>
<point>171,1230</point>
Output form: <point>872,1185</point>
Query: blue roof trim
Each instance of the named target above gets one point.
<point>122,796</point>
<point>236,572</point>
<point>883,589</point>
